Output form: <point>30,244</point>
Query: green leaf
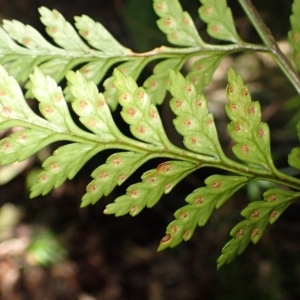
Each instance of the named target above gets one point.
<point>29,37</point>
<point>156,84</point>
<point>219,18</point>
<point>219,188</point>
<point>14,110</point>
<point>115,171</point>
<point>132,68</point>
<point>20,61</point>
<point>294,33</point>
<point>96,70</point>
<point>23,144</point>
<point>53,68</point>
<point>258,214</point>
<point>65,163</point>
<point>45,249</point>
<point>93,49</point>
<point>8,46</point>
<point>62,31</point>
<point>202,71</point>
<point>176,23</point>
<point>55,61</point>
<point>139,112</point>
<point>21,67</point>
<point>246,129</point>
<point>155,183</point>
<point>237,245</point>
<point>202,202</point>
<point>193,121</point>
<point>52,103</point>
<point>98,37</point>
<point>91,107</point>
<point>294,158</point>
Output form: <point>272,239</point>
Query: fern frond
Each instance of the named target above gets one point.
<point>202,201</point>
<point>193,121</point>
<point>155,183</point>
<point>95,50</point>
<point>40,65</point>
<point>246,129</point>
<point>99,53</point>
<point>258,214</point>
<point>61,166</point>
<point>115,171</point>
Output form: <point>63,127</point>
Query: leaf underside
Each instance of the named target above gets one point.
<point>28,59</point>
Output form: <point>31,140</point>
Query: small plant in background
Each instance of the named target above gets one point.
<point>28,60</point>
<point>37,246</point>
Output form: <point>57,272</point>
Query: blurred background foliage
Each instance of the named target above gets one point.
<point>51,249</point>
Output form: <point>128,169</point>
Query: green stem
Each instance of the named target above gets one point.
<point>170,151</point>
<point>260,174</point>
<point>163,51</point>
<point>267,37</point>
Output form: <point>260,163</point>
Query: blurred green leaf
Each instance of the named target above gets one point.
<point>45,249</point>
<point>9,216</point>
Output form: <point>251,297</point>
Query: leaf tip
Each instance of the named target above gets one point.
<point>231,74</point>
<point>70,75</point>
<point>117,73</point>
<point>43,9</point>
<point>164,242</point>
<point>109,209</point>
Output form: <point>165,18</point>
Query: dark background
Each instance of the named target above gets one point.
<point>112,258</point>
